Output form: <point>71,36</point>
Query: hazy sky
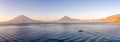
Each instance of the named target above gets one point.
<point>55,9</point>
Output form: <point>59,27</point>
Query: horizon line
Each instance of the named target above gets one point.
<point>57,18</point>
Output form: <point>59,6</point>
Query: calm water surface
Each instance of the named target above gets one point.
<point>61,32</point>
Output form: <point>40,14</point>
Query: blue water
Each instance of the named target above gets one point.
<point>61,32</point>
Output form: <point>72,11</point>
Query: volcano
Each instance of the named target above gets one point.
<point>67,19</point>
<point>22,19</point>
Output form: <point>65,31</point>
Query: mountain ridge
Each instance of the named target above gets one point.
<point>112,18</point>
<point>24,19</point>
<point>67,19</point>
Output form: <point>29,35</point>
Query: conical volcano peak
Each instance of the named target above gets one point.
<point>21,18</point>
<point>66,17</point>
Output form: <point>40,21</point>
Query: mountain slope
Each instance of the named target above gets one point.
<point>67,19</point>
<point>113,18</point>
<point>22,19</point>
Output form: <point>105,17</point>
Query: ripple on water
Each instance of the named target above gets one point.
<point>49,33</point>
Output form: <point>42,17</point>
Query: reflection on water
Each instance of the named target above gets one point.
<point>61,32</point>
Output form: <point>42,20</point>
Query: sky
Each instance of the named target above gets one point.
<point>54,9</point>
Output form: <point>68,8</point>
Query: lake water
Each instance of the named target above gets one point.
<point>61,32</point>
